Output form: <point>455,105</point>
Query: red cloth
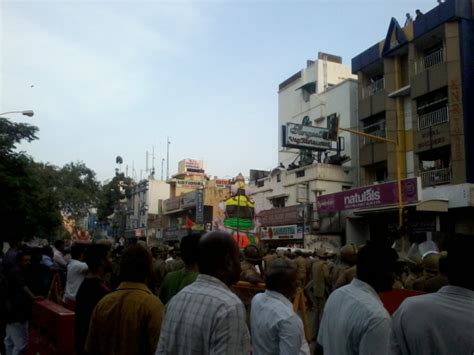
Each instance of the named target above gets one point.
<point>393,299</point>
<point>244,240</point>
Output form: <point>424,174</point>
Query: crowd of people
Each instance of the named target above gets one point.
<point>143,299</point>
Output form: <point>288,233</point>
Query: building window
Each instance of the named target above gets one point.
<point>375,126</point>
<point>278,177</point>
<point>307,90</point>
<point>260,183</point>
<point>432,109</point>
<point>300,173</point>
<point>278,202</point>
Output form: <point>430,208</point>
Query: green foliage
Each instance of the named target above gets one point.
<point>34,195</point>
<point>111,195</point>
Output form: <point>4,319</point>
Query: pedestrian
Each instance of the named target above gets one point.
<point>10,258</point>
<point>251,266</point>
<point>175,281</point>
<point>442,322</point>
<point>206,317</point>
<point>128,320</point>
<point>348,258</point>
<point>91,291</point>
<point>301,268</point>
<point>354,320</point>
<point>47,257</point>
<point>276,328</point>
<point>76,271</point>
<point>19,305</point>
<point>58,255</point>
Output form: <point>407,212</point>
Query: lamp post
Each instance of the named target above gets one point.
<point>28,113</point>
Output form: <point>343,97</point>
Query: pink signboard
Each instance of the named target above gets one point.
<point>378,195</point>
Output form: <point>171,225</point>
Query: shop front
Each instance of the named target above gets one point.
<point>280,227</point>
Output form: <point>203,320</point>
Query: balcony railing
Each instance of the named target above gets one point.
<point>433,118</point>
<point>376,129</point>
<point>373,87</point>
<point>429,60</point>
<point>436,177</point>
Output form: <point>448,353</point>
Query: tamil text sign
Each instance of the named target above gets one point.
<point>200,207</point>
<point>306,137</point>
<point>379,195</point>
<point>280,216</point>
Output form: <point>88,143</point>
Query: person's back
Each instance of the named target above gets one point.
<point>352,311</point>
<point>442,322</point>
<point>128,320</point>
<point>206,317</point>
<point>276,328</point>
<point>76,272</point>
<point>354,319</point>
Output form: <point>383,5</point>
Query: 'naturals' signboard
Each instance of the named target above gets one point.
<point>385,194</point>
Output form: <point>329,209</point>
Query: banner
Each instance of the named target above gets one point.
<point>378,195</point>
<point>200,207</point>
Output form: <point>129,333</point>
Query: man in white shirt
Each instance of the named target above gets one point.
<point>276,328</point>
<point>58,256</point>
<point>354,319</point>
<point>442,322</point>
<point>76,272</point>
<point>206,317</point>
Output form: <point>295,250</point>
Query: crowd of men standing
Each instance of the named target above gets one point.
<point>142,300</point>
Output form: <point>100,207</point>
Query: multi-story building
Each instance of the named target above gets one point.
<point>194,201</point>
<point>324,87</point>
<point>284,196</point>
<point>143,208</point>
<point>416,88</point>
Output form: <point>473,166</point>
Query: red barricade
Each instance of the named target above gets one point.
<point>51,330</point>
<point>393,299</point>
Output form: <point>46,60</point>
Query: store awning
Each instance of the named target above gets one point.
<point>278,196</point>
<point>435,205</point>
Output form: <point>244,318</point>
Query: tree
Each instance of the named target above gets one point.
<point>112,201</point>
<point>26,209</point>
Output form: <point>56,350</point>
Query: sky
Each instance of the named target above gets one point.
<point>108,78</point>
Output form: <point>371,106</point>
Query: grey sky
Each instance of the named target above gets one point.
<point>114,78</point>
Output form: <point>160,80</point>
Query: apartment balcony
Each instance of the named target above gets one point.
<point>376,129</point>
<point>433,118</point>
<point>373,88</point>
<point>429,61</point>
<point>436,177</point>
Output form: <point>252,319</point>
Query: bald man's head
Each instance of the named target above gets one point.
<point>219,257</point>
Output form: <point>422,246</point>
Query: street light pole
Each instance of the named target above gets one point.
<point>28,113</point>
<point>398,163</point>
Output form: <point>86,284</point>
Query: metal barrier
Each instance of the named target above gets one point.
<point>373,87</point>
<point>51,330</point>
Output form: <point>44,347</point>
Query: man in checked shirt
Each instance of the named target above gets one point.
<point>206,317</point>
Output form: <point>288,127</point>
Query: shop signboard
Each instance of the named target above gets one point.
<point>188,199</point>
<point>171,204</point>
<point>174,234</point>
<point>199,207</point>
<point>189,184</point>
<point>292,231</point>
<point>222,183</point>
<point>378,195</point>
<point>305,137</point>
<point>280,216</point>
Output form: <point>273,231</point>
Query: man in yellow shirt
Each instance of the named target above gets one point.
<point>127,321</point>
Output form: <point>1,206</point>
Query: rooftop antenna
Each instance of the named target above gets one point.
<point>168,158</point>
<point>162,163</point>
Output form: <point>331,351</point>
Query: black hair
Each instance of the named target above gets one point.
<point>94,255</point>
<point>189,248</point>
<point>281,275</point>
<point>76,251</point>
<point>460,261</point>
<point>135,264</point>
<point>376,261</point>
<point>58,243</point>
<point>213,248</point>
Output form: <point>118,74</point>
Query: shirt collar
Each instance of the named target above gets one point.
<point>456,290</point>
<point>364,286</point>
<point>126,285</point>
<point>280,297</point>
<point>208,279</point>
